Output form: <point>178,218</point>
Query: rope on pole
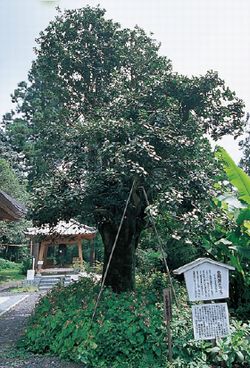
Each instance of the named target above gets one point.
<point>112,251</point>
<point>161,248</point>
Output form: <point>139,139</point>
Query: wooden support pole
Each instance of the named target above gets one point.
<point>167,298</point>
<point>31,247</point>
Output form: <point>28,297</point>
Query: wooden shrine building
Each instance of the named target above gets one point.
<point>62,235</point>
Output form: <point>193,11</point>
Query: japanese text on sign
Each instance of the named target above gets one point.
<point>210,321</point>
<point>207,282</point>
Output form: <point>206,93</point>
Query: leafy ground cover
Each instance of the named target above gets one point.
<point>128,331</point>
<point>9,271</point>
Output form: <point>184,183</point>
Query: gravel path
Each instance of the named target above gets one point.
<point>12,325</point>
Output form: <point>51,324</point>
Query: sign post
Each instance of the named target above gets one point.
<point>210,321</point>
<point>207,280</point>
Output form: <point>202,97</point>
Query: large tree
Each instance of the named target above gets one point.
<point>103,111</point>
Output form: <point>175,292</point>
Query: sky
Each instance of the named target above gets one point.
<point>197,35</point>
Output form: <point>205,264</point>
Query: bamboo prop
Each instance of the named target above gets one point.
<point>167,301</point>
<point>161,248</point>
<point>112,252</point>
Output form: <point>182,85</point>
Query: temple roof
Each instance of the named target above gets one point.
<point>10,209</point>
<point>63,228</point>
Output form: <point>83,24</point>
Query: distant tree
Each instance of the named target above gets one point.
<point>10,183</point>
<point>102,111</point>
<point>12,232</point>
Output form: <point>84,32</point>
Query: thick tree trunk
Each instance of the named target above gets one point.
<point>121,272</point>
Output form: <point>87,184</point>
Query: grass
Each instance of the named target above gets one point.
<point>24,289</point>
<point>7,275</point>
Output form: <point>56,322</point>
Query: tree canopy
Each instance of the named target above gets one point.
<point>103,109</point>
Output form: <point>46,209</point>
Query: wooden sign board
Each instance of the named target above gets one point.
<point>206,279</point>
<point>167,304</point>
<point>210,321</point>
<point>207,282</point>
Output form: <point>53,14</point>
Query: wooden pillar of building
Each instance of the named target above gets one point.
<point>45,254</point>
<point>31,247</point>
<point>41,256</point>
<point>35,252</point>
<point>79,243</point>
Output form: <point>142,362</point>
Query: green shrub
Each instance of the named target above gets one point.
<point>149,260</point>
<point>9,271</point>
<point>5,264</point>
<point>231,351</point>
<point>129,330</point>
<point>26,265</point>
<point>242,311</point>
<point>234,349</point>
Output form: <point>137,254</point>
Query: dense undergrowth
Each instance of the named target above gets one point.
<point>9,271</point>
<point>7,265</point>
<point>128,331</point>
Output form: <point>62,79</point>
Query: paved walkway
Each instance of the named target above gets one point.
<point>12,325</point>
<point>10,301</point>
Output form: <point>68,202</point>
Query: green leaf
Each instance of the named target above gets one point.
<point>235,174</point>
<point>243,216</point>
<point>216,349</point>
<point>240,356</point>
<point>244,251</point>
<point>236,263</point>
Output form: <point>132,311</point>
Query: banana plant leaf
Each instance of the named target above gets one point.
<point>244,215</point>
<point>237,177</point>
<point>244,251</point>
<point>241,251</point>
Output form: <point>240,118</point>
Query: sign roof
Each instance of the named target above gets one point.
<point>198,262</point>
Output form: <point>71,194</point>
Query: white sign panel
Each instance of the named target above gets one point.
<point>210,321</point>
<point>40,263</point>
<point>206,282</point>
<point>30,274</point>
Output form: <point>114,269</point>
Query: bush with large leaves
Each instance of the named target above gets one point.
<point>235,244</point>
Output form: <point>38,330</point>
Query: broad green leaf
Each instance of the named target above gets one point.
<point>224,241</point>
<point>244,215</point>
<point>215,349</point>
<point>236,263</point>
<point>244,251</point>
<point>235,174</point>
<point>240,356</point>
